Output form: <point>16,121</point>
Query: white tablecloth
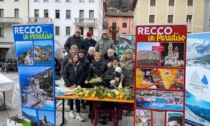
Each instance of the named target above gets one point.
<point>8,86</point>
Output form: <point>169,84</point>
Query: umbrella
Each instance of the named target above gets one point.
<point>11,53</point>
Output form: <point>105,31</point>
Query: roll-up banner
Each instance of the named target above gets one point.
<point>35,57</point>
<point>160,75</point>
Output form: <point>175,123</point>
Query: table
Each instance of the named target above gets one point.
<point>88,99</point>
<point>7,86</point>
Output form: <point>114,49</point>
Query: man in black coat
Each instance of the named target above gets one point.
<point>76,39</point>
<point>89,41</point>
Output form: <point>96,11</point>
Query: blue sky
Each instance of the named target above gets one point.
<point>49,114</point>
<point>147,46</point>
<point>43,43</point>
<point>22,46</point>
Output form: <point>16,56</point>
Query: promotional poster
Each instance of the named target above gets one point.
<point>125,41</point>
<point>197,104</point>
<point>160,75</point>
<point>35,56</point>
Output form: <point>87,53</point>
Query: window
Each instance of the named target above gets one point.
<point>16,0</point>
<point>91,13</point>
<point>114,18</point>
<point>171,2</point>
<point>57,0</point>
<point>91,29</point>
<point>16,13</point>
<point>68,30</point>
<point>209,22</point>
<point>68,0</point>
<point>189,18</point>
<point>82,30</point>
<point>36,0</point>
<point>170,18</point>
<point>1,32</point>
<point>151,18</point>
<point>152,2</point>
<point>81,1</point>
<point>124,18</point>
<point>1,13</point>
<point>46,15</point>
<point>45,0</point>
<point>57,13</point>
<point>124,25</point>
<point>1,0</point>
<point>189,2</point>
<point>68,14</point>
<point>36,13</point>
<point>57,30</point>
<point>91,1</point>
<point>123,33</point>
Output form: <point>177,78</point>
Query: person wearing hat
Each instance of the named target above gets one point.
<point>128,61</point>
<point>76,39</point>
<point>105,43</point>
<point>89,41</point>
<point>114,71</point>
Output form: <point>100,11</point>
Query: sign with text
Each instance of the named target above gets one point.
<point>160,75</point>
<point>35,58</point>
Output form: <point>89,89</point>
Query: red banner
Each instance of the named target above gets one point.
<point>161,33</point>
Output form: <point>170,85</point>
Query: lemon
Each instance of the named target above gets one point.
<point>86,95</point>
<point>117,93</point>
<point>109,95</point>
<point>121,96</point>
<point>80,93</point>
<point>93,95</point>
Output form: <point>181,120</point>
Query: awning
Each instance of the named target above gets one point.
<point>5,44</point>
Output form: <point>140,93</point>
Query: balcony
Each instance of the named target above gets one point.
<point>86,22</point>
<point>10,20</point>
<point>113,29</point>
<point>39,20</point>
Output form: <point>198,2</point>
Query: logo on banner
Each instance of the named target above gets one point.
<point>199,84</point>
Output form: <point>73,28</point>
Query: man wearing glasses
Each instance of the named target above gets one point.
<point>105,43</point>
<point>89,41</point>
<point>76,39</point>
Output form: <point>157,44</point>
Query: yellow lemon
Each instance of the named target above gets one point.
<point>109,95</point>
<point>80,93</point>
<point>117,93</point>
<point>93,95</point>
<point>86,95</point>
<point>121,96</point>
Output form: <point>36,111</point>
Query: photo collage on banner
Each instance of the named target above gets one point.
<point>34,46</point>
<point>160,75</point>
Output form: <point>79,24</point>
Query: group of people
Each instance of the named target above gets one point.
<point>87,59</point>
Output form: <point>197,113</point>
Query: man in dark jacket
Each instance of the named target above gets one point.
<point>74,40</point>
<point>89,42</point>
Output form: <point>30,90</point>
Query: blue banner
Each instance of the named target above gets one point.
<point>197,101</point>
<point>35,58</point>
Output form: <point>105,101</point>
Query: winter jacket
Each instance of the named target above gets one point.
<point>88,43</point>
<point>73,76</point>
<point>73,40</point>
<point>110,72</point>
<point>128,70</point>
<point>90,58</point>
<point>96,70</point>
<point>108,59</point>
<point>104,44</point>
